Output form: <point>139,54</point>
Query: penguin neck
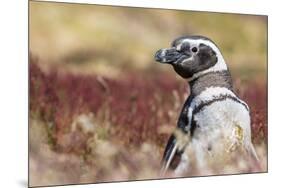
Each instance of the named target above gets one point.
<point>210,79</point>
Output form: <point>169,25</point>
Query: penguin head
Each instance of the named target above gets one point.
<point>192,56</point>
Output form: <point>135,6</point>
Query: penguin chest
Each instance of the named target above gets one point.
<point>222,123</point>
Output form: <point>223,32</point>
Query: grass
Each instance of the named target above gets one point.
<point>95,129</point>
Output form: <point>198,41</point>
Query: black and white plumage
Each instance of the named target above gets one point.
<point>213,119</point>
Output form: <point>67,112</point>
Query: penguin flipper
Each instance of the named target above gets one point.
<point>172,155</point>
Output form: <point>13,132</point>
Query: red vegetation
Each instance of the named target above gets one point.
<point>137,106</point>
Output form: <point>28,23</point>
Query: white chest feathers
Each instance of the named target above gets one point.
<point>223,126</point>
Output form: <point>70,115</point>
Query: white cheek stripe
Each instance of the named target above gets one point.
<point>219,66</point>
<point>179,47</point>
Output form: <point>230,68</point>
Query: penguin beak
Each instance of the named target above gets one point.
<point>167,55</point>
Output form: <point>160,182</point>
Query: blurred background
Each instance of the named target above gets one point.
<point>98,39</point>
<point>102,110</point>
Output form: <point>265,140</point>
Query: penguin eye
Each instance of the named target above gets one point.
<point>194,49</point>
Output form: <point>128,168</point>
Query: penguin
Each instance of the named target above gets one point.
<point>213,119</point>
